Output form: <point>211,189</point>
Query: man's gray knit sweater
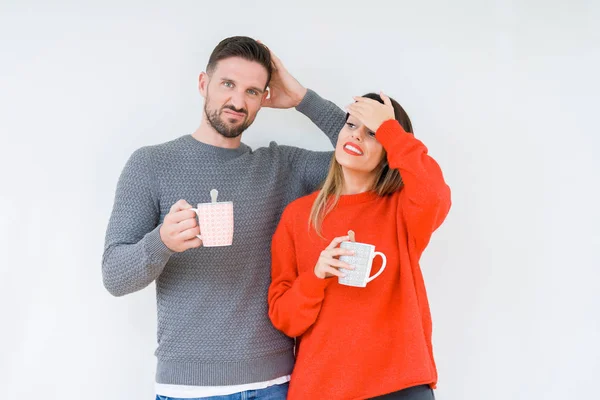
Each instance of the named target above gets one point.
<point>213,324</point>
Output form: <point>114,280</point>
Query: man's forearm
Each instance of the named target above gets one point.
<point>127,268</point>
<point>326,115</point>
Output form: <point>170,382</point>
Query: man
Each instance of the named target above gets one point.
<point>214,334</point>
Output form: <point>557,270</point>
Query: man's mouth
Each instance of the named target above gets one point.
<point>231,113</point>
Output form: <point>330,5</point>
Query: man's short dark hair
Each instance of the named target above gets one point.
<point>243,47</point>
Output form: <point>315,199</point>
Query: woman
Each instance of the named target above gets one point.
<point>359,343</point>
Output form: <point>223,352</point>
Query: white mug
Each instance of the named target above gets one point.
<point>362,261</point>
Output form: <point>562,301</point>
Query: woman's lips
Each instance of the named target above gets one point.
<point>353,149</point>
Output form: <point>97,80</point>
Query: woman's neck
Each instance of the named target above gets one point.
<point>357,182</point>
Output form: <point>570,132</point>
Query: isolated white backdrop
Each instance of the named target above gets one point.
<point>504,93</point>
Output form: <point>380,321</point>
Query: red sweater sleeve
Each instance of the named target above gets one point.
<point>294,300</point>
<point>425,198</point>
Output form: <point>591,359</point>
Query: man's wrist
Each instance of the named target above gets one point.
<point>300,96</point>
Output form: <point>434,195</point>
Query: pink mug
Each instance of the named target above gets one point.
<point>216,223</point>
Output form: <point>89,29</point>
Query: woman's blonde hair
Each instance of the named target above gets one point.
<point>387,180</point>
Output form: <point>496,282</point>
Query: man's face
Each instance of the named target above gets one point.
<point>233,94</point>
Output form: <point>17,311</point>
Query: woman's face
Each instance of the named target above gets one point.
<point>357,149</point>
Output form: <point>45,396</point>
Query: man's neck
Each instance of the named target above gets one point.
<point>357,182</point>
<point>207,134</point>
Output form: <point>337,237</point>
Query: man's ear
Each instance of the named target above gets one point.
<point>203,80</point>
<point>264,97</point>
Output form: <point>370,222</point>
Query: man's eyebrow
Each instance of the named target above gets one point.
<point>257,89</point>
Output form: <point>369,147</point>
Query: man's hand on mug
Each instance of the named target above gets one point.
<point>327,264</point>
<point>180,227</point>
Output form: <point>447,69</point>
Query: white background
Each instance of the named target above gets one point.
<point>504,93</point>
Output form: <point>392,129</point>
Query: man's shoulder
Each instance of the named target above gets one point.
<point>178,143</point>
<point>165,149</point>
<point>289,152</point>
<point>273,146</point>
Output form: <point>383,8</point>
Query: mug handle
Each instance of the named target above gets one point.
<point>198,215</point>
<point>378,253</point>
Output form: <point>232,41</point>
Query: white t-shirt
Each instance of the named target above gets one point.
<point>191,392</point>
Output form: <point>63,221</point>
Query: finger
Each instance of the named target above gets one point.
<point>361,107</point>
<point>193,243</point>
<point>386,100</point>
<point>364,106</point>
<point>365,100</point>
<point>335,242</point>
<point>274,59</point>
<point>338,251</point>
<point>267,102</point>
<point>334,262</point>
<point>182,216</point>
<point>180,205</point>
<point>189,234</point>
<point>187,224</point>
<point>356,112</point>
<point>334,271</point>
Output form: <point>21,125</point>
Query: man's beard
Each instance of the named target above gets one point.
<point>216,121</point>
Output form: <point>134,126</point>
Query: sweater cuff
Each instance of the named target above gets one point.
<point>311,286</point>
<point>156,250</point>
<point>389,132</point>
<point>311,104</point>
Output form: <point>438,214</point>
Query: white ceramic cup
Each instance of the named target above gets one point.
<point>362,260</point>
<point>216,223</point>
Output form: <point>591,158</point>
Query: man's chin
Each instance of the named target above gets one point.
<point>233,123</point>
<point>231,133</point>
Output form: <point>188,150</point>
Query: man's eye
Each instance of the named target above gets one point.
<point>228,84</point>
<point>351,126</point>
<point>252,92</point>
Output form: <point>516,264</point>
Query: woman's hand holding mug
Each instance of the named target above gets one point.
<point>327,264</point>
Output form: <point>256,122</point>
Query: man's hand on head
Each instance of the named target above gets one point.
<point>284,90</point>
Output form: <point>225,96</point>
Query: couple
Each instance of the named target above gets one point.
<point>228,316</point>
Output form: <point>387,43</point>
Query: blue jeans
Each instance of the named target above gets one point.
<point>275,392</point>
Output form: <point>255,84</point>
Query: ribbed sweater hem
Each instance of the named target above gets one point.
<point>218,373</point>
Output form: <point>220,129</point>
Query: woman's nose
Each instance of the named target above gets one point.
<point>358,135</point>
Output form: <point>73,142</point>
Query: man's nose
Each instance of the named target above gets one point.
<point>238,101</point>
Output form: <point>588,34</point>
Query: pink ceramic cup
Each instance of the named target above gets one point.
<point>216,223</point>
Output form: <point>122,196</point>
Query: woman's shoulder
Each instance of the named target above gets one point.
<point>304,202</point>
<point>301,205</point>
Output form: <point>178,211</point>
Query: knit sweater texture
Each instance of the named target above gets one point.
<point>358,343</point>
<point>213,324</point>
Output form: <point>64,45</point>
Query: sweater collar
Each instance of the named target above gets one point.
<point>358,198</point>
<point>221,152</point>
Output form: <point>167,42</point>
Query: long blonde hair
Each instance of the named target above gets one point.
<point>387,180</point>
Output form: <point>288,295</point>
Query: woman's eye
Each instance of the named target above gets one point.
<point>351,126</point>
<point>372,134</point>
